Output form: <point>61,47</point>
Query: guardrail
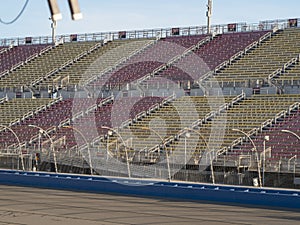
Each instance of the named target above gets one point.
<point>293,107</point>
<point>153,33</point>
<point>2,100</point>
<point>88,110</point>
<point>285,66</point>
<point>3,50</point>
<point>135,34</point>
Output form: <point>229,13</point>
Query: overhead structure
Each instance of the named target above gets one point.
<point>208,14</point>
<point>55,12</point>
<point>75,10</point>
<point>54,9</point>
<point>56,15</point>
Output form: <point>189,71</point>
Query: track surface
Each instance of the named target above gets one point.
<point>19,206</point>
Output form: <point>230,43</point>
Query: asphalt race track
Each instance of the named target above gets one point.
<point>20,206</point>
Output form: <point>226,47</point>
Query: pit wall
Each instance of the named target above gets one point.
<point>236,195</point>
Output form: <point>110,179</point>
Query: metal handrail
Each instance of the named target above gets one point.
<point>151,33</point>
<point>2,100</point>
<point>66,64</point>
<point>118,63</point>
<point>174,60</point>
<point>28,59</point>
<point>236,56</point>
<point>266,123</point>
<point>285,66</point>
<point>4,50</point>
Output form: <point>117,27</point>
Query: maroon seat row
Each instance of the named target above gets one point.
<point>90,123</point>
<point>18,54</point>
<point>281,145</point>
<point>189,68</point>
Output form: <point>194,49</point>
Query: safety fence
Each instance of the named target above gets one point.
<point>155,33</point>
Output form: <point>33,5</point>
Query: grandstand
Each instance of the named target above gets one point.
<point>176,103</point>
<point>259,66</point>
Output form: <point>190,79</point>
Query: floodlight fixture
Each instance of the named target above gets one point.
<point>75,10</point>
<point>54,9</point>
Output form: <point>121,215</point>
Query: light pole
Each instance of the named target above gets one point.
<point>298,137</point>
<point>125,146</point>
<point>206,145</point>
<point>87,144</point>
<point>20,149</point>
<point>56,15</point>
<point>187,135</point>
<point>109,133</point>
<point>208,14</point>
<point>54,26</point>
<point>165,147</point>
<point>256,153</point>
<point>291,132</point>
<point>41,130</point>
<point>266,138</point>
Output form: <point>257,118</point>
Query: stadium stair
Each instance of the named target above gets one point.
<point>254,68</point>
<point>213,53</point>
<point>13,57</point>
<point>261,116</point>
<point>289,75</point>
<point>190,44</point>
<point>17,110</point>
<point>44,65</point>
<point>147,135</point>
<point>98,62</point>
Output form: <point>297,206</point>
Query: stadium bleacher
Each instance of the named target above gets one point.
<point>258,65</point>
<point>16,55</point>
<point>148,60</point>
<point>41,68</point>
<point>280,146</point>
<point>161,93</point>
<point>291,75</point>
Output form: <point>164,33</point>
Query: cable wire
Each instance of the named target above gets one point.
<point>18,16</point>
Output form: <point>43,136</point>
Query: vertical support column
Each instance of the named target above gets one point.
<point>208,14</point>
<point>53,26</point>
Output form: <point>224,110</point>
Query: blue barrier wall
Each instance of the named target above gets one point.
<point>274,198</point>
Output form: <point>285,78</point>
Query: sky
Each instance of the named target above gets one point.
<point>116,15</point>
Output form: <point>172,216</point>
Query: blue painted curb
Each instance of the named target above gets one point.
<point>273,198</point>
